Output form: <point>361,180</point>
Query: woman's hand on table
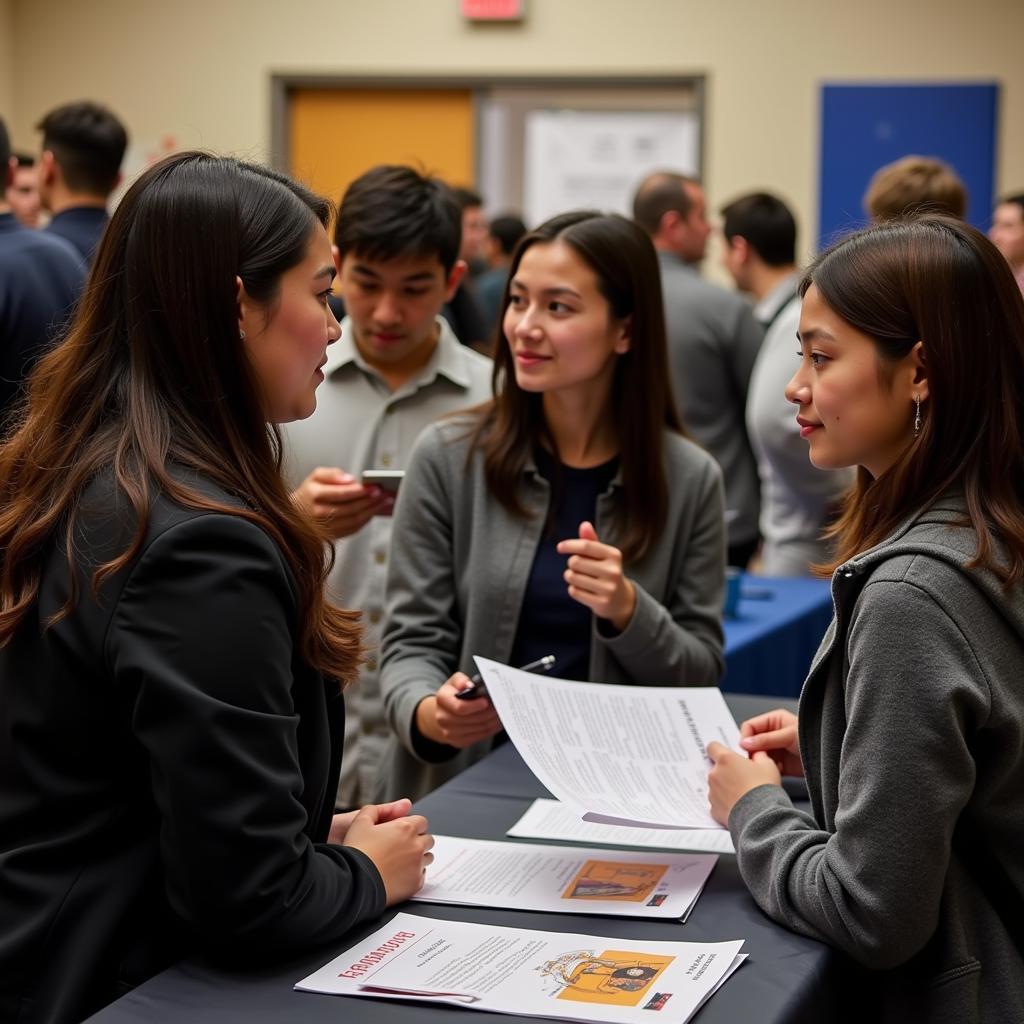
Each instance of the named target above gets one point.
<point>458,723</point>
<point>732,776</point>
<point>385,812</point>
<point>396,841</point>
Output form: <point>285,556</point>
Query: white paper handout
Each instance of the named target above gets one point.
<point>623,755</point>
<point>551,819</point>
<point>567,880</point>
<point>559,975</point>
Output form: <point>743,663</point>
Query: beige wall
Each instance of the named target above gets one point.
<point>199,69</point>
<point>7,63</point>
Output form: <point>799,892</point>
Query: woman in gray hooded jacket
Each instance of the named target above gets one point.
<point>911,724</point>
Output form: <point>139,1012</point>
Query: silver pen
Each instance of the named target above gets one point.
<point>478,689</point>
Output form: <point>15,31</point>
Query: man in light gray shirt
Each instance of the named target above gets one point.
<point>713,340</point>
<point>796,497</point>
<point>396,368</point>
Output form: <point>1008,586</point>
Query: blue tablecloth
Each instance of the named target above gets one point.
<point>771,641</point>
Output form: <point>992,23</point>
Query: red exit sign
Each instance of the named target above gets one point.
<point>493,10</point>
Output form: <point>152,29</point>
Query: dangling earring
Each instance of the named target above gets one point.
<point>241,337</point>
<point>917,415</point>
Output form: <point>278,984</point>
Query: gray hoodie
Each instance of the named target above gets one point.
<point>912,738</point>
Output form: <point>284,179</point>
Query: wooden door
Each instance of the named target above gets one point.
<point>335,134</point>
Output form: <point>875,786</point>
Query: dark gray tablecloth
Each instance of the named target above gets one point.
<point>786,980</point>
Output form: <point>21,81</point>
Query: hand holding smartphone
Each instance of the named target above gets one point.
<point>386,479</point>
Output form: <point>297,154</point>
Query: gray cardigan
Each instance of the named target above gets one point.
<point>459,566</point>
<point>912,737</point>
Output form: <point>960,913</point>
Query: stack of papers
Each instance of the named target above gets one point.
<point>622,755</point>
<point>563,880</point>
<point>558,975</point>
<point>629,767</point>
<point>551,819</point>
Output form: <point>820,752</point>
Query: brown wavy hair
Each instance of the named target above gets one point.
<point>939,281</point>
<point>915,185</point>
<point>623,258</point>
<point>153,373</point>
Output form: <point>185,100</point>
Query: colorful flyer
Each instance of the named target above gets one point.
<point>562,976</point>
<point>561,879</point>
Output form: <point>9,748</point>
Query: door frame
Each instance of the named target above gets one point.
<point>283,84</point>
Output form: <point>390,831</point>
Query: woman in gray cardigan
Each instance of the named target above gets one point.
<point>569,516</point>
<point>911,725</point>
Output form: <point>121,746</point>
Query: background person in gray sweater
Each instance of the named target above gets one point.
<point>568,517</point>
<point>911,725</point>
<point>713,340</point>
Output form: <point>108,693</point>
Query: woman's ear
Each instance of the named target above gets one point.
<point>247,324</point>
<point>920,371</point>
<point>625,337</point>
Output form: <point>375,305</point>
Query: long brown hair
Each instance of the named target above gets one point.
<point>153,373</point>
<point>939,281</point>
<point>623,258</point>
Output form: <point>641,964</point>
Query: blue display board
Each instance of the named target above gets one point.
<point>864,127</point>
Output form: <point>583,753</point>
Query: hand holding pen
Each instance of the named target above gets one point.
<point>478,689</point>
<point>449,718</point>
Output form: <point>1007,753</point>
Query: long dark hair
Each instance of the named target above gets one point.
<point>623,258</point>
<point>153,373</point>
<point>939,281</point>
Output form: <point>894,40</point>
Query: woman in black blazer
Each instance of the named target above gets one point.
<point>170,706</point>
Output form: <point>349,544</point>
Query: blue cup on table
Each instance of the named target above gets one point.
<point>733,575</point>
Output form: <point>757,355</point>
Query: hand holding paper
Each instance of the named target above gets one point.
<point>734,775</point>
<point>623,754</point>
<point>774,732</point>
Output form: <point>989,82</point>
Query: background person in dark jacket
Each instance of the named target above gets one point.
<point>713,341</point>
<point>911,725</point>
<point>169,666</point>
<point>503,234</point>
<point>40,278</point>
<point>463,310</point>
<point>80,166</point>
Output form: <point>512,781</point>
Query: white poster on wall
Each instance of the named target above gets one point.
<point>582,159</point>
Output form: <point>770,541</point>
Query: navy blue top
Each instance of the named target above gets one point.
<point>490,287</point>
<point>550,621</point>
<point>40,279</point>
<point>82,226</point>
<point>464,316</point>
